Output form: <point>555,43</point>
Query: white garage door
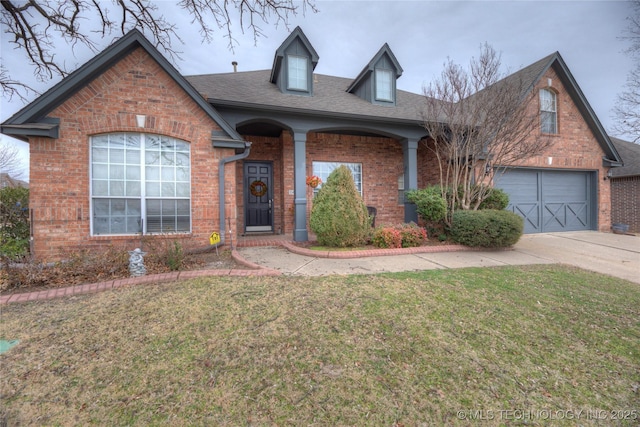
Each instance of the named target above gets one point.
<point>550,200</point>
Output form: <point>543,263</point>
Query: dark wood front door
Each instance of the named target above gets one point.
<point>258,182</point>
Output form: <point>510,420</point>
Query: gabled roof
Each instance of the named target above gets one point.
<point>529,76</point>
<point>279,55</point>
<point>630,153</point>
<point>252,89</point>
<point>368,69</point>
<point>32,121</point>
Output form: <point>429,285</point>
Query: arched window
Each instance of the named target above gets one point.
<point>140,183</point>
<point>548,111</point>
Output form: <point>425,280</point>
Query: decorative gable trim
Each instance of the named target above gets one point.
<point>365,85</point>
<point>32,120</point>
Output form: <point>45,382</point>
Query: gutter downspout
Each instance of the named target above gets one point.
<point>224,161</point>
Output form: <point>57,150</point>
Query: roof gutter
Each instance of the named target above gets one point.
<point>227,144</point>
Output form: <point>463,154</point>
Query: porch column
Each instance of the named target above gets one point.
<point>300,233</point>
<point>410,157</point>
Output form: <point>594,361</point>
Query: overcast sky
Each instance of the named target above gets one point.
<point>421,34</point>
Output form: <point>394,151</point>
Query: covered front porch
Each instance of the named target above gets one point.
<point>272,196</point>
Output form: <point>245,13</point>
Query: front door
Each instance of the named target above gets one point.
<point>259,196</point>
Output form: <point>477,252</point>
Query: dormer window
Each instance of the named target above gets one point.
<point>376,83</point>
<point>548,111</point>
<point>297,71</point>
<point>384,85</point>
<point>293,65</point>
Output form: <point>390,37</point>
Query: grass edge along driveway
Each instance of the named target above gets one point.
<point>479,346</point>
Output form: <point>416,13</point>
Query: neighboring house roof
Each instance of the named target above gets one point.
<point>529,76</point>
<point>32,120</point>
<point>8,181</point>
<point>252,89</point>
<point>630,153</point>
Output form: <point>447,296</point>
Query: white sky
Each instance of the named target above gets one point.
<point>422,35</point>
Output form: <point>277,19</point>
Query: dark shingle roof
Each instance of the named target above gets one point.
<point>630,154</point>
<point>252,88</point>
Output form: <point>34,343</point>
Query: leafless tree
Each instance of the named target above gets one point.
<point>479,122</point>
<point>42,27</point>
<point>627,110</point>
<point>10,161</point>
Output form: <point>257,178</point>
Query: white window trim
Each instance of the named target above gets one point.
<point>379,96</point>
<point>306,73</point>
<point>549,109</point>
<point>142,197</point>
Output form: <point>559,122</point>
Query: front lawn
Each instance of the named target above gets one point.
<point>510,346</point>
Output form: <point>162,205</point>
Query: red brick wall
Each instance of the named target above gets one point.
<point>382,163</point>
<point>381,160</point>
<point>59,180</point>
<point>625,201</point>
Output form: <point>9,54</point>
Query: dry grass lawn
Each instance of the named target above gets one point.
<point>481,346</point>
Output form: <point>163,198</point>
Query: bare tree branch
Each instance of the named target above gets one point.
<point>10,161</point>
<point>35,26</point>
<point>627,110</point>
<point>479,120</point>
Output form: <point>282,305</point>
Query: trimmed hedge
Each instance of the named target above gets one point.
<point>496,199</point>
<point>487,228</point>
<point>430,204</point>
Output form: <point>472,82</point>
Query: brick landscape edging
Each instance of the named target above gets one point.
<point>255,270</point>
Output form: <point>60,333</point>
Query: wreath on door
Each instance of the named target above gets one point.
<point>258,188</point>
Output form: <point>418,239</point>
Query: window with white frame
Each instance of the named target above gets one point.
<point>384,85</point>
<point>401,189</point>
<point>548,111</point>
<point>324,169</point>
<point>297,73</point>
<point>140,183</point>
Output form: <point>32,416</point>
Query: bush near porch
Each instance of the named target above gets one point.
<point>339,217</point>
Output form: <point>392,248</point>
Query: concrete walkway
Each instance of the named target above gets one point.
<point>612,254</point>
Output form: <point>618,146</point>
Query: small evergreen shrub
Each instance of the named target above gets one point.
<point>430,204</point>
<point>175,256</point>
<point>339,217</point>
<point>486,228</point>
<point>497,199</point>
<point>399,236</point>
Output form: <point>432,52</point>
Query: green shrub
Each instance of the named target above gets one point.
<point>399,236</point>
<point>486,228</point>
<point>339,217</point>
<point>14,222</point>
<point>430,204</point>
<point>496,199</point>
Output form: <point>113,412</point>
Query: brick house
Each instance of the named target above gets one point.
<point>625,186</point>
<point>127,145</point>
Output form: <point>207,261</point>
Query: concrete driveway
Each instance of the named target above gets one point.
<point>612,254</point>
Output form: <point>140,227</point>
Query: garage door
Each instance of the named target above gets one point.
<point>550,200</point>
